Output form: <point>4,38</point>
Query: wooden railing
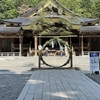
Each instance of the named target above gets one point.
<point>9,53</point>
<point>50,52</point>
<point>88,52</point>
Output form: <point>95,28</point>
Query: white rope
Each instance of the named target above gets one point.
<point>52,44</point>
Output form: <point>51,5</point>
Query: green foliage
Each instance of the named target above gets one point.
<point>97,9</point>
<point>84,8</point>
<point>31,3</point>
<point>7,9</point>
<point>23,9</point>
<point>73,5</point>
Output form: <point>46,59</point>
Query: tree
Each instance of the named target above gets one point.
<point>7,9</point>
<point>73,5</point>
<point>87,10</point>
<point>97,9</point>
<point>84,8</point>
<point>30,3</point>
<point>23,9</point>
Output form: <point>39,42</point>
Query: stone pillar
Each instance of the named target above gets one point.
<point>35,45</point>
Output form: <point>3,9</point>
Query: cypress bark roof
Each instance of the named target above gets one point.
<point>57,10</point>
<point>86,29</point>
<point>4,29</point>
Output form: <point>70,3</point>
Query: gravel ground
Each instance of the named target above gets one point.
<point>11,85</point>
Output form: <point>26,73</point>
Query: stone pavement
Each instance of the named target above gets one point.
<point>53,84</point>
<point>60,84</point>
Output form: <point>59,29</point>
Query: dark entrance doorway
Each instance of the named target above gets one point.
<point>95,44</point>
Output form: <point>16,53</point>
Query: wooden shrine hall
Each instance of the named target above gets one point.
<point>20,36</point>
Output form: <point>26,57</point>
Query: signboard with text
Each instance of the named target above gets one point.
<point>94,61</point>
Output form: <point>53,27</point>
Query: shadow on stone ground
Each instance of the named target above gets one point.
<point>94,77</point>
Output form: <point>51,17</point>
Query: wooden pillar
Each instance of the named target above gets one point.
<point>0,44</point>
<point>89,44</point>
<point>82,45</point>
<point>20,45</point>
<point>35,44</point>
<point>29,49</point>
<point>71,61</point>
<point>12,45</point>
<point>66,40</point>
<point>79,46</point>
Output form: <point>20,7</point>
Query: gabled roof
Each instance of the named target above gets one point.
<point>33,15</point>
<point>55,5</point>
<point>31,11</point>
<point>43,4</point>
<point>27,20</point>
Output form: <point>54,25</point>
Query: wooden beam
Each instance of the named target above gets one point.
<point>56,36</point>
<point>9,36</point>
<point>90,36</point>
<point>91,32</point>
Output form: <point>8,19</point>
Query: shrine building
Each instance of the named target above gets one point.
<point>22,35</point>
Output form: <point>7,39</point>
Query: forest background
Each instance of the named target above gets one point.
<point>14,8</point>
